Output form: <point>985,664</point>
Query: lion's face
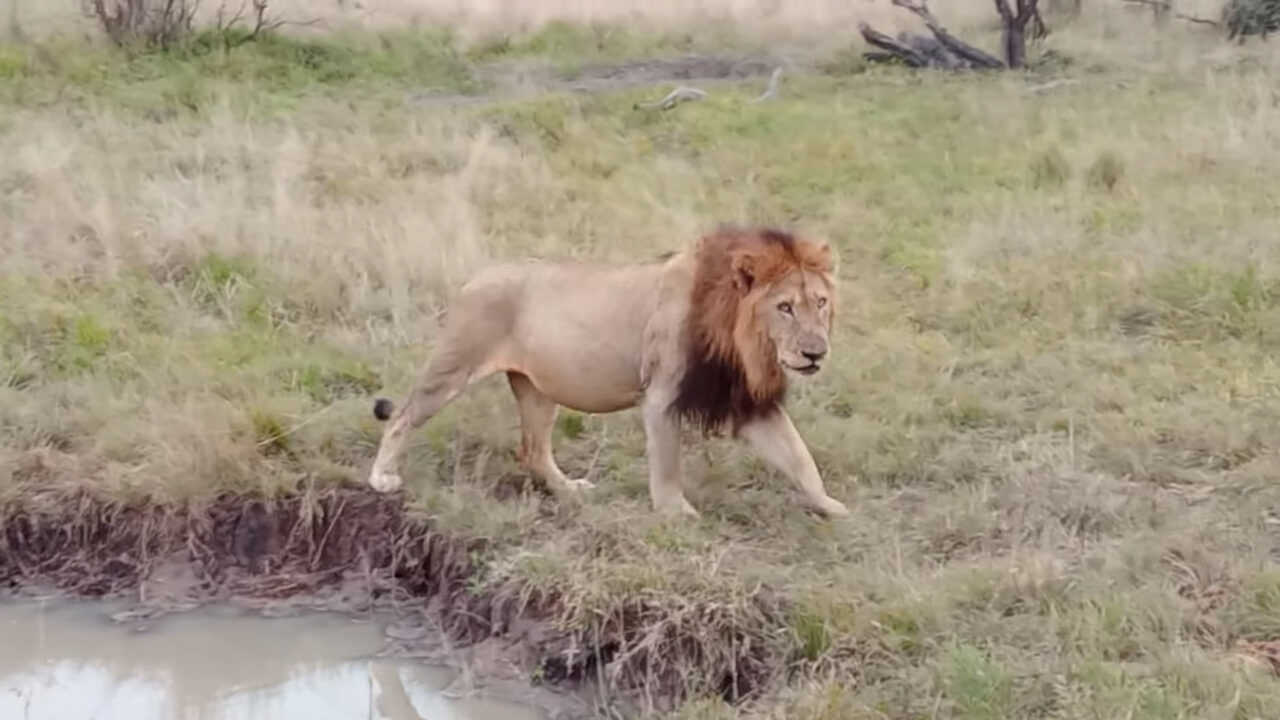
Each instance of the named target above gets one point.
<point>796,314</point>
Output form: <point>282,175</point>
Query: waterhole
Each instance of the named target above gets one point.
<point>69,661</point>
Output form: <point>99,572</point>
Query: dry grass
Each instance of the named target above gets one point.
<point>1053,409</point>
<point>516,16</point>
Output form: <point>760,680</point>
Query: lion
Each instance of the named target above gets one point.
<point>705,336</point>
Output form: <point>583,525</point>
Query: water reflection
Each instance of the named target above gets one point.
<point>67,662</point>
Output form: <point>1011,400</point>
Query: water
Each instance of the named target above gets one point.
<point>69,662</point>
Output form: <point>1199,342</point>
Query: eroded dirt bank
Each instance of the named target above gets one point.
<point>352,550</point>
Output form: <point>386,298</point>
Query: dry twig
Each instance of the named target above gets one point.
<point>771,91</point>
<point>1166,5</point>
<point>675,97</point>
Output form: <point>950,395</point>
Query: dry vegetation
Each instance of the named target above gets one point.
<point>1054,407</point>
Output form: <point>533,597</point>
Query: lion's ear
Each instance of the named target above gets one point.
<point>820,255</point>
<point>744,275</point>
<point>824,253</point>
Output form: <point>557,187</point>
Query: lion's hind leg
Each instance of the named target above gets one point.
<point>537,421</point>
<point>446,376</point>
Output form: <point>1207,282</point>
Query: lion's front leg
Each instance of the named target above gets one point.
<point>775,439</point>
<point>662,445</point>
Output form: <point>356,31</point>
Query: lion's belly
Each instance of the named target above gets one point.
<point>591,382</point>
<point>593,395</point>
<point>579,334</point>
<point>578,368</point>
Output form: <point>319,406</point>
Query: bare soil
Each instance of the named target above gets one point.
<point>689,67</point>
<point>524,78</point>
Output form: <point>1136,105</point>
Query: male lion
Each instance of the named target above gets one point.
<point>702,335</point>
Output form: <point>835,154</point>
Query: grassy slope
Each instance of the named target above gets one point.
<point>1052,409</point>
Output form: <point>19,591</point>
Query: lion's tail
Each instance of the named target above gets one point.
<point>382,409</point>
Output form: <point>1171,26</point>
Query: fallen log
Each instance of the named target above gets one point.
<point>948,52</point>
<point>957,47</point>
<point>892,48</point>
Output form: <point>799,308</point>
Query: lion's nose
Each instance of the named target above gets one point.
<point>814,356</point>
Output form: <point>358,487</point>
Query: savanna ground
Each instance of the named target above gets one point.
<point>1053,409</point>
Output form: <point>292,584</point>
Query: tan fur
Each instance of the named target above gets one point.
<point>703,335</point>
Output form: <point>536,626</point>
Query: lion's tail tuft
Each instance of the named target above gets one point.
<point>382,409</point>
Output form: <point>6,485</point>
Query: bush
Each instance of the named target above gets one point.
<point>1241,18</point>
<point>152,23</point>
<point>165,23</point>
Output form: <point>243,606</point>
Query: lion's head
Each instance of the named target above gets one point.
<point>763,304</point>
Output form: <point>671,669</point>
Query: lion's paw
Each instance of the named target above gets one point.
<point>384,481</point>
<point>688,510</point>
<point>677,507</point>
<point>579,485</point>
<point>831,507</point>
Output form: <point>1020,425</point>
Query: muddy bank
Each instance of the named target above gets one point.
<point>353,550</point>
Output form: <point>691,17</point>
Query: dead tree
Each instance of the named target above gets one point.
<point>16,32</point>
<point>263,23</point>
<point>151,23</point>
<point>1013,29</point>
<point>947,52</point>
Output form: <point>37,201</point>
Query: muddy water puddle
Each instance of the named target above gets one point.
<point>68,661</point>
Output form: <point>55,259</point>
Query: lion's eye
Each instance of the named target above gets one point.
<point>822,302</point>
<point>785,308</point>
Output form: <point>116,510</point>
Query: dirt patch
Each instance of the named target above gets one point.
<point>353,550</point>
<point>522,79</point>
<point>691,67</point>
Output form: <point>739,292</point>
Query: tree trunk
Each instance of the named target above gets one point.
<point>1013,33</point>
<point>15,22</point>
<point>1014,39</point>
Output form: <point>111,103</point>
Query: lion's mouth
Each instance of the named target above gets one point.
<point>807,369</point>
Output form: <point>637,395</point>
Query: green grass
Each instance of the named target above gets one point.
<point>270,73</point>
<point>1052,405</point>
<point>567,44</point>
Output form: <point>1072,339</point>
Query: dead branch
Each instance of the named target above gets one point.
<point>263,22</point>
<point>222,24</point>
<point>1165,4</point>
<point>675,97</point>
<point>771,91</point>
<point>164,23</point>
<point>934,51</point>
<point>151,23</point>
<point>948,52</point>
<point>893,48</point>
<point>1198,20</point>
<point>954,45</point>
